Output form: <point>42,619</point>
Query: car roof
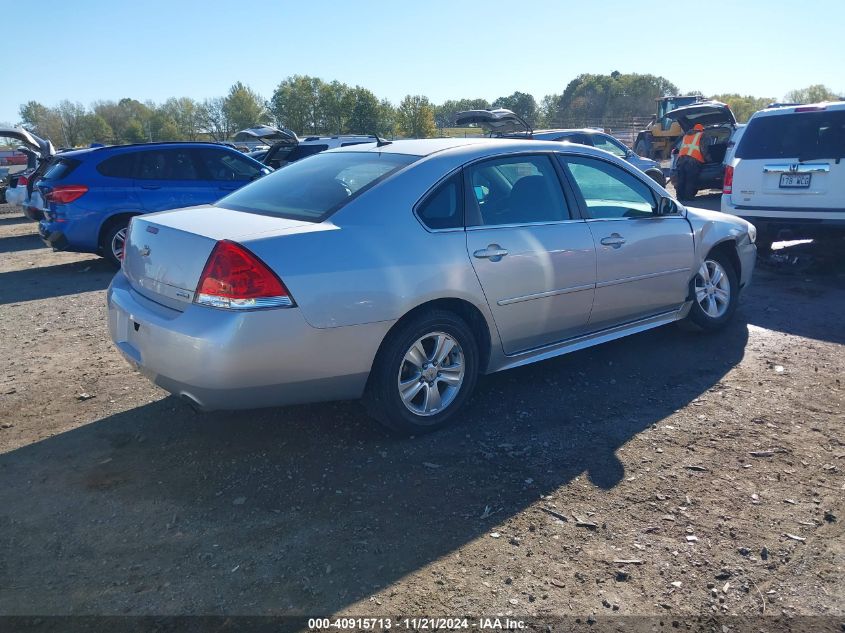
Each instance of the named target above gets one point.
<point>105,149</point>
<point>467,148</point>
<point>809,107</point>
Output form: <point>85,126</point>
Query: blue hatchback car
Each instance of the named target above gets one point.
<point>91,194</point>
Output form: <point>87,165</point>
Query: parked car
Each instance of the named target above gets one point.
<point>91,194</point>
<point>19,191</point>
<point>719,127</point>
<point>400,271</point>
<point>787,174</point>
<point>289,151</point>
<point>506,124</point>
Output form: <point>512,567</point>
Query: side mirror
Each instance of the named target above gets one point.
<point>667,206</point>
<point>629,153</point>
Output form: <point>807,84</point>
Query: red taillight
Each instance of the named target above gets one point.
<point>65,194</point>
<point>235,278</point>
<point>23,181</point>
<point>728,185</point>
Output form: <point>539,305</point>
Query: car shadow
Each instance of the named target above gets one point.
<point>807,274</point>
<point>306,510</point>
<point>8,220</point>
<point>18,286</point>
<point>15,243</point>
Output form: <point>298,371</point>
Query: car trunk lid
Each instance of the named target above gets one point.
<point>44,148</point>
<point>708,113</point>
<point>166,252</point>
<point>500,120</point>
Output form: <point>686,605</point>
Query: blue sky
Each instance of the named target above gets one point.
<point>443,49</point>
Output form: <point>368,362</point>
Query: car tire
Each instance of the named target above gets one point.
<point>657,176</point>
<point>408,380</point>
<point>111,243</point>
<point>714,299</point>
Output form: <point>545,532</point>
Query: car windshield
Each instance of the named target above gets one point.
<point>315,187</point>
<point>802,135</point>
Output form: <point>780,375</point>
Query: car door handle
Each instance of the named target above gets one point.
<point>150,186</point>
<point>493,252</point>
<point>615,240</point>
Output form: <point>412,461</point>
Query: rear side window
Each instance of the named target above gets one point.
<point>61,168</point>
<point>313,189</point>
<point>166,164</point>
<point>119,166</point>
<point>227,165</point>
<point>443,208</point>
<point>802,135</point>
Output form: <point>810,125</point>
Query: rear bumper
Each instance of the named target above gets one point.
<point>246,360</point>
<point>805,222</point>
<point>33,213</point>
<point>52,237</point>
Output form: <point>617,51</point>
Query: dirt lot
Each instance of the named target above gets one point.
<point>712,464</point>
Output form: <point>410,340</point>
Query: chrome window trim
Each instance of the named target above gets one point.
<point>493,227</point>
<point>797,168</point>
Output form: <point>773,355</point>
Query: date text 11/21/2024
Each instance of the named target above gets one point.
<point>416,624</point>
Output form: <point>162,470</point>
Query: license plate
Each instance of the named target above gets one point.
<point>795,181</point>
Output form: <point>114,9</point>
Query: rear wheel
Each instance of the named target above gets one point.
<point>715,290</point>
<point>114,241</point>
<point>424,373</point>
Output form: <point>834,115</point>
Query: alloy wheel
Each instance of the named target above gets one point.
<point>118,243</point>
<point>431,374</point>
<point>712,289</point>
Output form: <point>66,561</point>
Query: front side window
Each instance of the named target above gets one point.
<point>608,191</point>
<point>313,189</point>
<point>609,145</point>
<point>515,190</point>
<point>443,208</point>
<point>227,165</point>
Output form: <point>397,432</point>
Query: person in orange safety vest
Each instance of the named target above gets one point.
<point>691,157</point>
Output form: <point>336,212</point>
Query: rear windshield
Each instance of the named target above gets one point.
<point>802,136</point>
<point>61,168</point>
<point>314,188</point>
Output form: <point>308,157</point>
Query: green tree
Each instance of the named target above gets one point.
<point>415,117</point>
<point>213,119</point>
<point>296,104</point>
<point>184,112</point>
<point>743,106</point>
<point>812,94</point>
<point>365,116</point>
<point>94,129</point>
<point>591,98</point>
<point>387,118</point>
<point>244,108</point>
<point>336,102</point>
<point>42,121</point>
<point>520,103</point>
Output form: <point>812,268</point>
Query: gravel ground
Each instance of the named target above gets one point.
<point>670,473</point>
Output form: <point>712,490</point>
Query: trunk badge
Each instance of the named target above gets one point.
<point>144,251</point>
<point>152,229</point>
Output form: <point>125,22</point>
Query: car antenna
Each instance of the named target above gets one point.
<point>380,142</point>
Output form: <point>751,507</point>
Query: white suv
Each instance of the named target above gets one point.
<point>788,172</point>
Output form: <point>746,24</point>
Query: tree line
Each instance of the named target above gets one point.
<point>309,105</point>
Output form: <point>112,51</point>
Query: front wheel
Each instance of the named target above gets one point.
<point>715,290</point>
<point>424,373</point>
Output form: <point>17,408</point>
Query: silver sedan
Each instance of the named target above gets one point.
<point>398,272</point>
